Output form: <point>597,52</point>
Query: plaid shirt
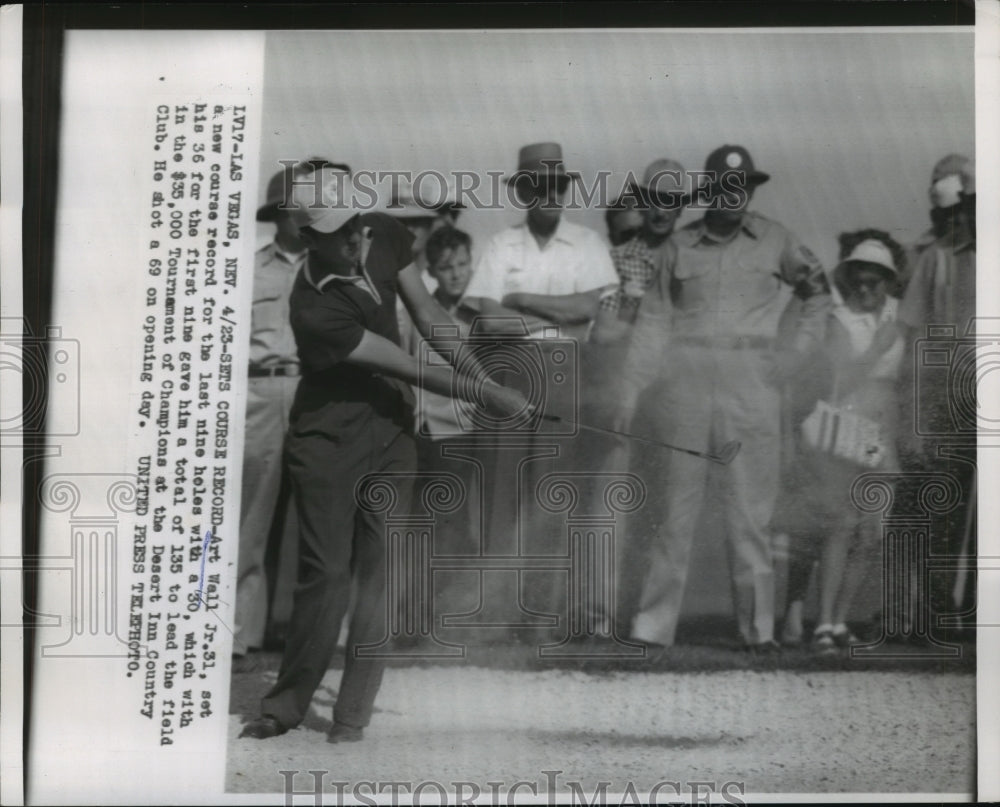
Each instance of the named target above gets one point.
<point>638,267</point>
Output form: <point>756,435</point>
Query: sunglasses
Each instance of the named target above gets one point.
<point>661,200</point>
<point>868,282</point>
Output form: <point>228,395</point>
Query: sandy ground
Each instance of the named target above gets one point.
<point>773,731</point>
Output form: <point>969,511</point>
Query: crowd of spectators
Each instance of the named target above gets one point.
<point>725,329</point>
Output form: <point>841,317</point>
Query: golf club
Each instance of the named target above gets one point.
<point>724,457</point>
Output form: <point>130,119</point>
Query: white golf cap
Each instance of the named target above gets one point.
<point>326,200</point>
<point>404,203</point>
<point>432,195</point>
<point>873,251</point>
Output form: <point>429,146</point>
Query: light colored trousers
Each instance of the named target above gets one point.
<point>269,401</point>
<point>714,396</point>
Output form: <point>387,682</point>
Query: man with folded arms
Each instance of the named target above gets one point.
<point>551,273</point>
<point>545,267</point>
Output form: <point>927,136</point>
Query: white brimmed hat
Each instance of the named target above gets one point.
<point>875,252</point>
<point>404,203</point>
<point>277,187</point>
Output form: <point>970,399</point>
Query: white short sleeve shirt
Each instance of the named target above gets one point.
<point>574,260</point>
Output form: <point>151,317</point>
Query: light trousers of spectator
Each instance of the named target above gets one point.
<point>714,396</point>
<point>269,400</point>
<point>600,397</point>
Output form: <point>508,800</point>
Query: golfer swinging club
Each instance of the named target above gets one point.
<point>352,416</point>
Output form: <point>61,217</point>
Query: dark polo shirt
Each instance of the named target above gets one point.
<point>329,315</point>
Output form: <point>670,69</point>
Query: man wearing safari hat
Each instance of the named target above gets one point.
<point>708,328</point>
<point>544,267</point>
<point>352,416</point>
<point>272,378</point>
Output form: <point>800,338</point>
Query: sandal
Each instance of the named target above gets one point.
<point>823,641</point>
<point>843,637</point>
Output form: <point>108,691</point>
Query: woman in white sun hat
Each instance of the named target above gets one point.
<point>862,356</point>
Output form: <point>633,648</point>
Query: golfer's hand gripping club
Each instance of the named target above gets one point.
<point>503,402</point>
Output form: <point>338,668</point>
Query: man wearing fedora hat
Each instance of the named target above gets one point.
<point>551,272</point>
<point>719,309</point>
<point>352,416</point>
<point>272,378</point>
<point>545,266</point>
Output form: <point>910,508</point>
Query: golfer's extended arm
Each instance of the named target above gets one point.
<point>377,353</point>
<point>423,308</point>
<point>427,312</point>
<point>563,309</point>
<point>498,319</point>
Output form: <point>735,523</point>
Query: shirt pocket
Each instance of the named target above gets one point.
<point>268,290</point>
<point>693,282</point>
<point>757,275</point>
<point>691,264</point>
<point>269,307</point>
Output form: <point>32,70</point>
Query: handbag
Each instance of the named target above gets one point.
<point>839,432</point>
